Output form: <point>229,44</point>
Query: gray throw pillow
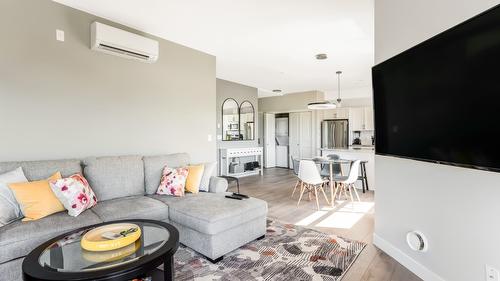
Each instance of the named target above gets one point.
<point>9,208</point>
<point>208,172</point>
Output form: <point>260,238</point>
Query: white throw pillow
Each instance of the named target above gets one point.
<point>75,194</point>
<point>9,208</point>
<point>208,172</point>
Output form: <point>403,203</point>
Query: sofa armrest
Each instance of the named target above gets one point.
<point>217,185</point>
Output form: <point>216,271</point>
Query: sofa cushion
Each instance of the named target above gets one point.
<point>135,207</point>
<point>167,199</point>
<point>38,170</point>
<point>212,213</point>
<point>9,208</point>
<point>19,238</point>
<point>115,177</point>
<point>153,168</point>
<point>12,270</point>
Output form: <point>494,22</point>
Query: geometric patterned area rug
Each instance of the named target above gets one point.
<point>288,252</point>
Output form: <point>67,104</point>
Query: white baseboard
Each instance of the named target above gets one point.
<point>408,262</point>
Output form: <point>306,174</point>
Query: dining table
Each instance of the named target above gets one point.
<point>330,163</point>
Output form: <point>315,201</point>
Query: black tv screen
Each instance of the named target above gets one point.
<point>440,100</point>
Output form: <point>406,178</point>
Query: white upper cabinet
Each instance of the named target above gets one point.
<point>342,113</point>
<point>361,118</point>
<point>369,125</point>
<point>338,113</point>
<point>356,118</point>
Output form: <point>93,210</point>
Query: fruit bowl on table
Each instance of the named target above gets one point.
<point>110,237</point>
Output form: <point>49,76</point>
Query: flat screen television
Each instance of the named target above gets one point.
<point>440,100</point>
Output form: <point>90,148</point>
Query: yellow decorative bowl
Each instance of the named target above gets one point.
<point>110,256</point>
<point>94,241</point>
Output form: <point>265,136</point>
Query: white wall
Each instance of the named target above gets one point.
<point>62,100</point>
<point>456,208</point>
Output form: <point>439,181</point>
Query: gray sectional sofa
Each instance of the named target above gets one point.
<point>125,187</point>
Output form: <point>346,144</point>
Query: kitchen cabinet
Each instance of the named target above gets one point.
<point>369,124</point>
<point>338,113</point>
<point>356,118</point>
<point>361,118</point>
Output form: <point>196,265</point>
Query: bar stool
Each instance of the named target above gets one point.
<point>362,177</point>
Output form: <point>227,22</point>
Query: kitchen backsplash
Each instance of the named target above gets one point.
<point>364,136</point>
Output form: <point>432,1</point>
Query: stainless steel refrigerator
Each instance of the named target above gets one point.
<point>335,133</point>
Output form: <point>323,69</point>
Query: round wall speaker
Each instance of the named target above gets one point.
<point>417,241</point>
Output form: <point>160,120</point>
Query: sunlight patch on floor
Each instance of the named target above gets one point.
<point>311,218</point>
<point>357,207</point>
<point>348,214</point>
<point>344,220</point>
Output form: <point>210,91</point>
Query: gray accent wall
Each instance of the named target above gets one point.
<point>227,89</point>
<point>289,102</point>
<point>456,208</point>
<point>240,93</point>
<point>62,100</point>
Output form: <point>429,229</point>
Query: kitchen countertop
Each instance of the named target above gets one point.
<point>362,149</point>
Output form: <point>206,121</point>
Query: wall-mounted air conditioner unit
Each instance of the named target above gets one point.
<point>114,41</point>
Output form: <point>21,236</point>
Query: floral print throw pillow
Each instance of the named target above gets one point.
<point>173,181</point>
<point>74,193</point>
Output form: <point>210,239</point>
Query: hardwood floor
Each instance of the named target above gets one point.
<point>346,220</point>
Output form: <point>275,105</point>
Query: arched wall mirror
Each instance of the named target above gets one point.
<point>247,121</point>
<point>230,120</point>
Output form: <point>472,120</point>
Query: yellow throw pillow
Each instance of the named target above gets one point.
<point>36,198</point>
<point>194,178</point>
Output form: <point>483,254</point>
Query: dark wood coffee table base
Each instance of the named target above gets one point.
<point>141,267</point>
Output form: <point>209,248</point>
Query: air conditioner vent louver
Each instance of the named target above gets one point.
<point>125,52</point>
<point>114,41</point>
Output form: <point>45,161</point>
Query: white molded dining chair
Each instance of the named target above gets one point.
<point>311,181</point>
<point>348,182</point>
<point>295,165</point>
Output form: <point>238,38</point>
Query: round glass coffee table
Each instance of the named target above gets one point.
<point>62,258</point>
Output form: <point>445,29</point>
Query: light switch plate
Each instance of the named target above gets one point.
<point>492,274</point>
<point>209,138</point>
<point>59,35</point>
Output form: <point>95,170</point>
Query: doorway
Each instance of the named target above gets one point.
<point>287,135</point>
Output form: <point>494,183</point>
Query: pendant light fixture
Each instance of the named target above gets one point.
<point>328,104</point>
<point>339,100</point>
<point>321,105</point>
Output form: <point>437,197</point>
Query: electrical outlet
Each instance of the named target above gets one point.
<point>59,35</point>
<point>492,274</point>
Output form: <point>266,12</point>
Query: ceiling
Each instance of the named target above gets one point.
<point>267,44</point>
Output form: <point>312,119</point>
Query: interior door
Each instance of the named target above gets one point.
<point>306,144</point>
<point>294,137</point>
<point>269,140</point>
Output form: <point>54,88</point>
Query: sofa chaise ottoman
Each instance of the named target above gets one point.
<point>125,187</point>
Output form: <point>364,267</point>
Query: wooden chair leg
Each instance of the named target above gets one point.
<point>309,194</point>
<point>335,193</point>
<point>344,189</point>
<point>301,192</point>
<point>350,195</point>
<point>316,195</point>
<point>324,194</point>
<point>356,192</point>
<point>296,185</point>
